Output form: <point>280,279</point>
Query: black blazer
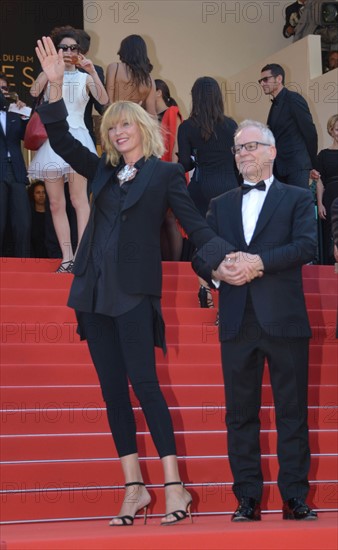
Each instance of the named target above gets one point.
<point>15,129</point>
<point>285,237</point>
<point>157,186</point>
<point>296,137</point>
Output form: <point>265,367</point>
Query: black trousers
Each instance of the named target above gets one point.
<point>15,209</point>
<point>300,178</point>
<point>122,348</point>
<point>243,363</point>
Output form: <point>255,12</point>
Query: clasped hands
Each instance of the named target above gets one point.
<point>239,268</point>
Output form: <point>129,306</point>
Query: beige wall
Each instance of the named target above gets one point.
<point>303,69</point>
<point>229,40</point>
<point>188,38</point>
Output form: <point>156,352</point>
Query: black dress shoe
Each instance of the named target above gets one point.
<point>296,508</point>
<point>248,509</point>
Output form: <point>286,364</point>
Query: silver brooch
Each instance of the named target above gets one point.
<point>127,173</point>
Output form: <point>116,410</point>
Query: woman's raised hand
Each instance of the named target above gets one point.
<point>86,64</point>
<point>51,61</point>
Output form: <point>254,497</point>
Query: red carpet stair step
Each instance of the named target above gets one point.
<point>57,457</point>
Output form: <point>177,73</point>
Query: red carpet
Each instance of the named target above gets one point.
<point>57,458</point>
<point>209,533</point>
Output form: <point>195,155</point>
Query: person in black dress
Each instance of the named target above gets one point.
<point>116,289</point>
<point>327,187</point>
<point>334,218</point>
<point>37,197</point>
<point>204,144</point>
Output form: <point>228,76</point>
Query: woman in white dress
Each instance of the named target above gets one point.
<point>49,166</point>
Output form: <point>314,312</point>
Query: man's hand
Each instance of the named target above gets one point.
<point>239,268</point>
<point>290,30</point>
<point>225,272</point>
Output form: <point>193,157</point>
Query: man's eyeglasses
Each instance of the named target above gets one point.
<point>4,88</point>
<point>65,48</point>
<point>250,146</point>
<point>265,79</point>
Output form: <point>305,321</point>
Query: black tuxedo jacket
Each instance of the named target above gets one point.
<point>157,186</point>
<point>296,137</point>
<point>15,129</point>
<point>285,237</point>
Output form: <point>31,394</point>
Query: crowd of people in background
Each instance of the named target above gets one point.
<point>202,144</point>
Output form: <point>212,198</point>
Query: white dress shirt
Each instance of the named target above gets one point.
<point>252,204</point>
<point>3,119</point>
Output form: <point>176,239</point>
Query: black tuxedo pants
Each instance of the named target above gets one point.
<point>122,349</point>
<point>243,363</point>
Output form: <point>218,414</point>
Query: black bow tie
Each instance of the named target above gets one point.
<point>246,188</point>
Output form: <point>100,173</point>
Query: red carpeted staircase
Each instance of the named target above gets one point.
<point>58,461</point>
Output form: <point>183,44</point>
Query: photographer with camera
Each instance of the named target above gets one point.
<point>15,210</point>
<point>292,15</point>
<point>319,17</point>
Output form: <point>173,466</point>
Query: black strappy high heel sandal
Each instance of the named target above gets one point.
<point>205,297</point>
<point>179,515</point>
<point>65,267</point>
<point>127,521</point>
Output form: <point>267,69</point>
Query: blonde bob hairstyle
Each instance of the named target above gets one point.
<point>331,123</point>
<point>152,142</point>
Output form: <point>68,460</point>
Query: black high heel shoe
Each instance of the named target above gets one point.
<point>205,297</point>
<point>127,521</point>
<point>65,267</point>
<point>179,515</point>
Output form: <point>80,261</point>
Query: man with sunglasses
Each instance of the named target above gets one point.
<point>15,211</point>
<point>292,125</point>
<point>270,232</point>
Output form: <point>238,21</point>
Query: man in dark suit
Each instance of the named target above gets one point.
<point>270,232</point>
<point>14,202</point>
<point>291,123</point>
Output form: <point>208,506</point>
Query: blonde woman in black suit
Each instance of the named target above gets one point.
<point>117,285</point>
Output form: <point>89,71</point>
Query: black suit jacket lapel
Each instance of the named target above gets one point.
<point>276,110</point>
<point>104,172</point>
<point>236,219</point>
<point>140,183</point>
<point>274,196</point>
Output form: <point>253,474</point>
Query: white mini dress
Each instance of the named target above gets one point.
<point>46,164</point>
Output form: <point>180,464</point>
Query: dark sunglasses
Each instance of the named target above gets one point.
<point>265,79</point>
<point>72,47</point>
<point>5,88</point>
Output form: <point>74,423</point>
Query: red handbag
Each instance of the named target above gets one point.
<point>35,133</point>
